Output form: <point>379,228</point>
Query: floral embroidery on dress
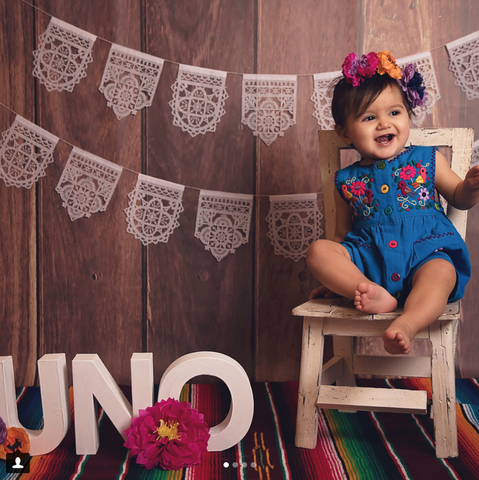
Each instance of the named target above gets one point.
<point>415,187</point>
<point>358,193</point>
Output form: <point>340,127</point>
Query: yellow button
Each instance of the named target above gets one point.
<point>384,189</point>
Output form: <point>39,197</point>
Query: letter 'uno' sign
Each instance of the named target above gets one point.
<point>93,384</point>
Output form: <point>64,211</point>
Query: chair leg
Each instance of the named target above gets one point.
<point>343,347</point>
<point>443,337</point>
<point>309,382</point>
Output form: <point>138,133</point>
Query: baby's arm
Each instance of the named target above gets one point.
<point>461,194</point>
<point>344,221</point>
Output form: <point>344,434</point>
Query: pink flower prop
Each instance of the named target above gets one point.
<point>356,70</point>
<point>170,434</point>
<point>407,172</point>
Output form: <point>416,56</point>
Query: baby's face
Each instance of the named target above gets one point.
<point>381,132</point>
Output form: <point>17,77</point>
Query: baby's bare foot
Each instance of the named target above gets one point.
<point>372,298</point>
<point>396,342</point>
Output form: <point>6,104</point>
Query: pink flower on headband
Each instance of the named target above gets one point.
<point>356,70</point>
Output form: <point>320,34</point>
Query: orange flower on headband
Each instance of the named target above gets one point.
<point>387,64</point>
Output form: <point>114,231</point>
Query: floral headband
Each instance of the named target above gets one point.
<point>356,70</point>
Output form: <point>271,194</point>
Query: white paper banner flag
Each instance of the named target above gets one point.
<point>294,223</point>
<point>87,184</point>
<point>269,105</point>
<point>63,55</point>
<point>464,63</point>
<point>322,97</point>
<point>223,221</point>
<point>425,67</point>
<point>25,152</point>
<point>475,153</point>
<point>153,210</point>
<point>129,80</point>
<point>199,95</point>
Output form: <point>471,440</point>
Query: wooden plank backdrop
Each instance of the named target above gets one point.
<point>18,260</point>
<point>88,286</point>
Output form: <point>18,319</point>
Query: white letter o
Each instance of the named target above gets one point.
<point>238,421</point>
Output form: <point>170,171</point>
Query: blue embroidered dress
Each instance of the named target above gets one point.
<point>397,224</point>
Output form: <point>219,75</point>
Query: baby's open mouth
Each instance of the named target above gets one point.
<point>383,139</point>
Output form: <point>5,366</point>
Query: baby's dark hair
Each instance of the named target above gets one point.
<point>349,100</point>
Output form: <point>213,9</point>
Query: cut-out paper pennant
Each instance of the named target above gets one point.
<point>269,105</point>
<point>223,221</point>
<point>294,223</point>
<point>87,184</point>
<point>63,55</point>
<point>25,153</point>
<point>199,95</point>
<point>154,209</point>
<point>129,80</point>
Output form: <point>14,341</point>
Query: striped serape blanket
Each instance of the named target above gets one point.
<point>361,445</point>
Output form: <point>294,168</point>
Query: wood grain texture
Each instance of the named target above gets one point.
<point>18,306</point>
<point>97,289</point>
<point>194,301</point>
<point>299,39</point>
<point>90,283</point>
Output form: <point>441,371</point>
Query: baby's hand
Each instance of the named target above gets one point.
<point>471,182</point>
<point>322,291</point>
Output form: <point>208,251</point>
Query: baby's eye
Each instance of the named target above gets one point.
<point>395,112</point>
<point>368,118</point>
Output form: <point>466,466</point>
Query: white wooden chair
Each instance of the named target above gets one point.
<point>339,318</point>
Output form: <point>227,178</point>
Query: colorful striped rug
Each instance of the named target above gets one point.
<point>363,445</point>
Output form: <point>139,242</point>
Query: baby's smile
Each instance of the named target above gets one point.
<point>384,139</point>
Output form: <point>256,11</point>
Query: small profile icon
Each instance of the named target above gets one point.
<point>17,462</point>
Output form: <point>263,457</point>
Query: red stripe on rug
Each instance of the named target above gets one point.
<point>467,464</point>
<point>322,462</point>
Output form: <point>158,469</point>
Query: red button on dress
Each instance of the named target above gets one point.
<point>393,244</point>
<point>395,277</point>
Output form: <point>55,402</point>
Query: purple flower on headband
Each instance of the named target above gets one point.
<point>412,83</point>
<point>356,70</point>
<point>3,431</point>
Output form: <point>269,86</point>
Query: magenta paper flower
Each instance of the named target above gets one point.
<point>3,431</point>
<point>407,172</point>
<point>170,434</point>
<point>356,70</point>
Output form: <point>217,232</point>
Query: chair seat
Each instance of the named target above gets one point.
<point>344,308</point>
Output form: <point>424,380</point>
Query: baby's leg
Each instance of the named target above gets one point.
<point>331,264</point>
<point>432,284</point>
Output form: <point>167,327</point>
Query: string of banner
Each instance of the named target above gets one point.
<point>129,82</point>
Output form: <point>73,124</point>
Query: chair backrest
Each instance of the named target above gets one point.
<point>459,139</point>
